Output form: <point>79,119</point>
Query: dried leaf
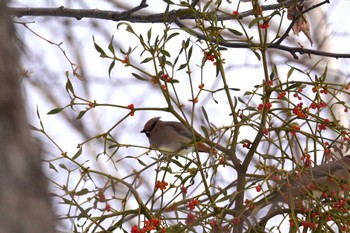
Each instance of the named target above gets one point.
<point>301,25</point>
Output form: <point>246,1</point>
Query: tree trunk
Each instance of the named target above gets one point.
<point>24,201</point>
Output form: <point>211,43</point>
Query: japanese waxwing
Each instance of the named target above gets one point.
<point>171,137</point>
<point>328,177</point>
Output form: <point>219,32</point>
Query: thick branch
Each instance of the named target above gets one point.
<point>79,13</point>
<point>24,200</point>
<point>172,16</point>
<point>89,13</point>
<point>129,15</point>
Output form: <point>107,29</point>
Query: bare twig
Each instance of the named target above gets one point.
<point>74,67</point>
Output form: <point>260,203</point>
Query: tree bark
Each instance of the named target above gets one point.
<point>24,201</point>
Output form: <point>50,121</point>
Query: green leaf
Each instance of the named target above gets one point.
<point>82,192</point>
<point>187,178</point>
<point>205,115</point>
<point>148,59</point>
<point>249,108</point>
<point>185,44</point>
<point>110,46</point>
<point>138,77</point>
<point>324,75</point>
<point>53,195</point>
<point>63,166</point>
<point>176,59</point>
<point>78,153</point>
<point>167,169</point>
<point>171,36</point>
<point>257,54</point>
<point>276,12</point>
<point>182,66</point>
<point>128,27</point>
<point>235,32</point>
<point>254,21</point>
<point>189,31</point>
<point>162,61</point>
<point>218,3</point>
<point>217,68</point>
<point>172,81</point>
<point>225,197</point>
<point>149,34</point>
<point>111,68</point>
<point>212,16</point>
<point>32,127</point>
<point>142,41</point>
<point>190,52</point>
<point>66,201</point>
<point>141,162</point>
<point>81,114</point>
<point>206,6</point>
<point>169,63</point>
<point>51,166</point>
<point>290,72</point>
<point>222,49</point>
<point>166,53</point>
<point>274,72</point>
<point>55,111</point>
<point>99,49</point>
<point>175,161</point>
<point>213,28</point>
<point>205,131</point>
<point>83,214</point>
<point>295,85</point>
<point>178,177</point>
<point>241,100</point>
<point>212,96</point>
<point>38,114</point>
<point>69,86</point>
<point>183,12</point>
<point>166,14</point>
<point>116,225</point>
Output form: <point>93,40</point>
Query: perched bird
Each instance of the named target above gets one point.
<point>332,177</point>
<point>171,137</point>
<point>326,178</point>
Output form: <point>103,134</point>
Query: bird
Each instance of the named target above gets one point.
<point>171,137</point>
<point>331,178</point>
<point>327,178</point>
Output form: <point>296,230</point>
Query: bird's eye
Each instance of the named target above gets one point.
<point>148,135</point>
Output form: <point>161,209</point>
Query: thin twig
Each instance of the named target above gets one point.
<point>74,67</point>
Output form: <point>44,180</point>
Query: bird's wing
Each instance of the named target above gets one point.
<point>179,128</point>
<point>335,169</point>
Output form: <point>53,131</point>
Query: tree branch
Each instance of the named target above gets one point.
<point>294,50</point>
<point>129,14</point>
<point>286,33</point>
<point>78,13</point>
<point>172,17</point>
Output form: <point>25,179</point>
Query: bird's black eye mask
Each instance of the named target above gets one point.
<point>147,131</point>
